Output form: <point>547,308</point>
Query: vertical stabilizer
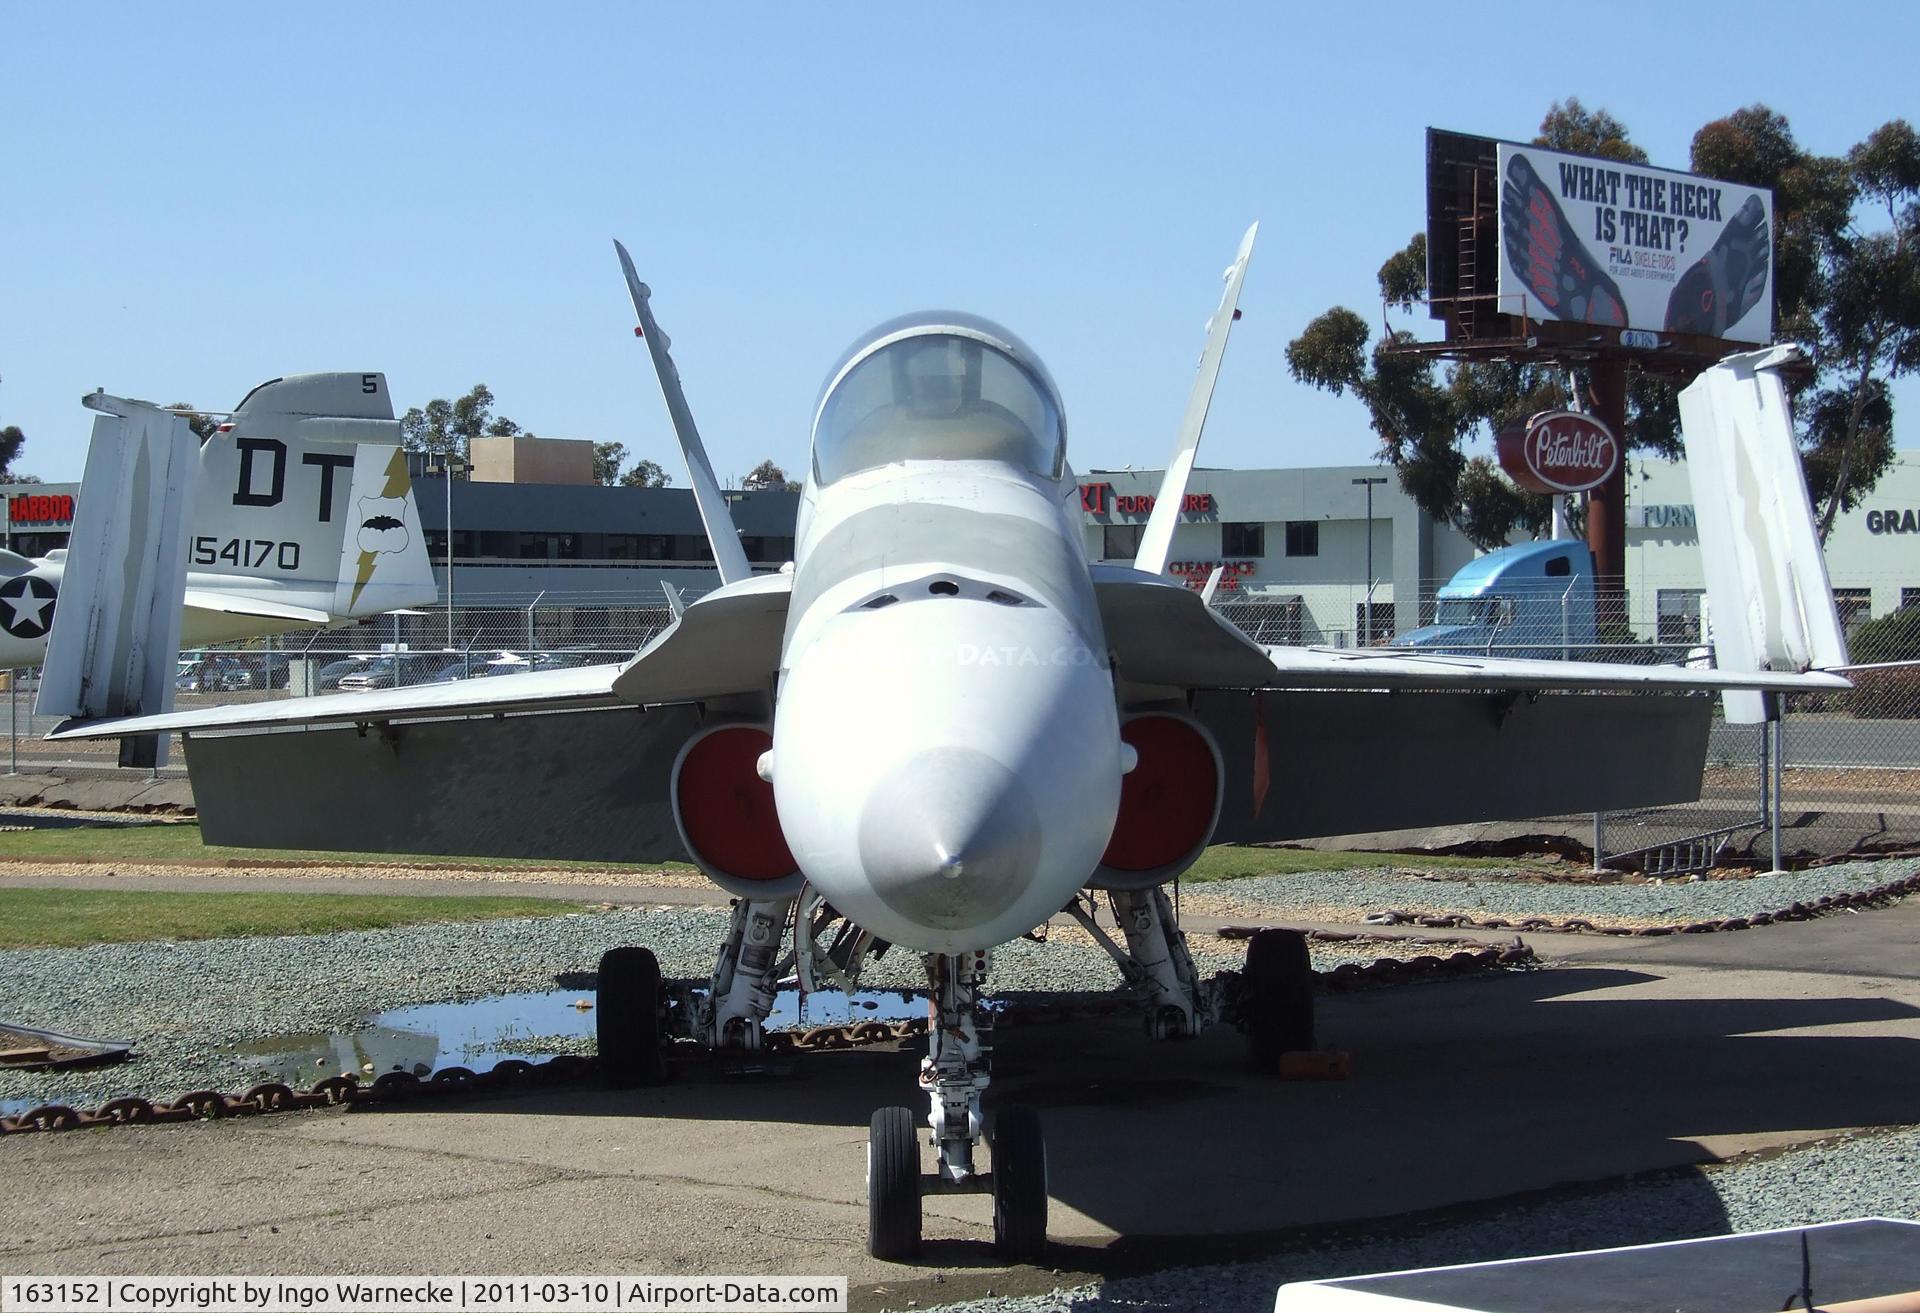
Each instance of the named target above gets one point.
<point>728,555</point>
<point>1767,587</point>
<point>1156,541</point>
<point>111,652</point>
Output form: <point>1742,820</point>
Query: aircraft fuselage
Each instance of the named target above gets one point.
<point>946,754</point>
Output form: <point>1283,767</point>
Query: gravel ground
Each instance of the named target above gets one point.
<point>1340,895</point>
<point>1868,1175</point>
<point>187,1004</point>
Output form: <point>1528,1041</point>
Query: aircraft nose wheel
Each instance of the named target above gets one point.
<point>893,1185</point>
<point>1019,1184</point>
<point>1276,998</point>
<point>627,1019</point>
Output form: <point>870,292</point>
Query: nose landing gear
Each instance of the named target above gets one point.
<point>955,1074</point>
<point>634,1016</point>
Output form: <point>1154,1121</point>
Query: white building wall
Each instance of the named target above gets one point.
<point>1873,556</point>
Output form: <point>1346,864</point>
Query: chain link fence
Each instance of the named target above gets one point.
<point>1849,774</point>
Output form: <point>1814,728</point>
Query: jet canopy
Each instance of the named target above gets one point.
<point>938,386</point>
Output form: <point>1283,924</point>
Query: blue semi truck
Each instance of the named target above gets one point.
<point>1530,600</point>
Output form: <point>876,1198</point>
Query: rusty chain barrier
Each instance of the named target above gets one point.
<point>1878,896</point>
<point>517,1074</point>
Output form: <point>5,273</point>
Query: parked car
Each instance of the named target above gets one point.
<point>400,669</point>
<point>214,672</point>
<point>269,669</point>
<point>327,678</point>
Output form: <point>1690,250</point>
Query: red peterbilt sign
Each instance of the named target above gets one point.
<point>1559,451</point>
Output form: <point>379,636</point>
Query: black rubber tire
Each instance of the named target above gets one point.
<point>627,1019</point>
<point>1019,1184</point>
<point>893,1185</point>
<point>1276,998</point>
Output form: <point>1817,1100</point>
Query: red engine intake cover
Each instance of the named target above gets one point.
<point>1168,800</point>
<point>726,810</point>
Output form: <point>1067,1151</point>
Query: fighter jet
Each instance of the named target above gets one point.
<point>292,481</point>
<point>941,727</point>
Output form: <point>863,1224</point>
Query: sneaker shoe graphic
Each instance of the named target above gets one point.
<point>1728,280</point>
<point>1550,256</point>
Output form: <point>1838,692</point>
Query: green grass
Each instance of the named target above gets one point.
<point>67,918</point>
<point>180,842</point>
<point>1227,862</point>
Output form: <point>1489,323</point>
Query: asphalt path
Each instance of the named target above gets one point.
<point>1839,741</point>
<point>1626,1056</point>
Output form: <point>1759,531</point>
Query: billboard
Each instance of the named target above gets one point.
<point>1588,240</point>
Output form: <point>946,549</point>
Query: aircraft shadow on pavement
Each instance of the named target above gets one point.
<point>1460,1092</point>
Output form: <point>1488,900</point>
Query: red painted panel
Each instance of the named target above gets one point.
<point>1167,801</point>
<point>726,809</point>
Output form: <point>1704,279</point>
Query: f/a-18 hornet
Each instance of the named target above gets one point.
<point>937,729</point>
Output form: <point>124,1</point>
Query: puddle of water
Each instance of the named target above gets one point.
<point>482,1033</point>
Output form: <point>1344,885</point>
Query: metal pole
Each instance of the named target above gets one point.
<point>449,474</point>
<point>1366,622</point>
<point>13,740</point>
<point>1779,762</point>
<point>1599,842</point>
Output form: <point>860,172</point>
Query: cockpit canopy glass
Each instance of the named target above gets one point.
<point>945,387</point>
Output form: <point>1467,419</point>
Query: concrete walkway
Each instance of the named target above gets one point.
<point>1630,1056</point>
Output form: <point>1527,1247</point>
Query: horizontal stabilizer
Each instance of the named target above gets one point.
<point>319,408</point>
<point>243,604</point>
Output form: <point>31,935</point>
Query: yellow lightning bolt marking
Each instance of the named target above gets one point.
<point>397,485</point>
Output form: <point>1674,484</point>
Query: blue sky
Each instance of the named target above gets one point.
<point>201,197</point>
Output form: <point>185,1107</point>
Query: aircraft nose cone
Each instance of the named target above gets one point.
<point>950,839</point>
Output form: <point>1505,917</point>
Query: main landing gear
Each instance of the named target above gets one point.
<point>1273,1006</point>
<point>954,1075</point>
<point>636,1014</point>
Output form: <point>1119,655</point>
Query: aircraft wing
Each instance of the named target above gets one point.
<point>1164,633</point>
<point>726,643</point>
<point>1385,668</point>
<point>253,604</point>
<point>582,688</point>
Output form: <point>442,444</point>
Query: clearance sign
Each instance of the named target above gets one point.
<point>40,508</point>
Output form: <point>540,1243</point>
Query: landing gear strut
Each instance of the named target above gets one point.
<point>954,1075</point>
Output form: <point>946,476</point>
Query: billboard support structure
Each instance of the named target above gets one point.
<point>1537,256</point>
